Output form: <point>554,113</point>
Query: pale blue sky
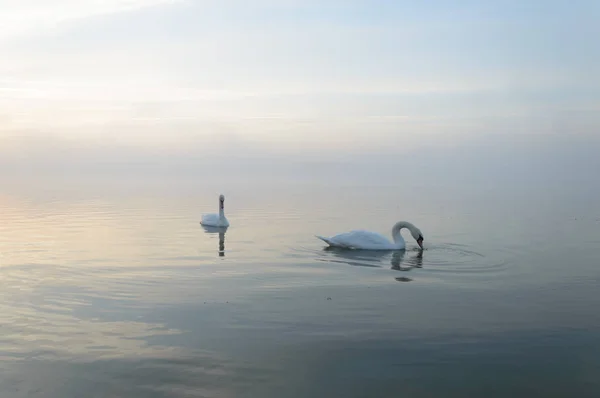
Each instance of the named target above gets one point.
<point>141,76</point>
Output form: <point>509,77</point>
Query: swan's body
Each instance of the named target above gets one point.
<point>366,240</point>
<point>216,220</point>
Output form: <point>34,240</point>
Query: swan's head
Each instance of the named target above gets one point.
<point>418,236</point>
<point>420,241</point>
<point>221,202</point>
<point>221,198</point>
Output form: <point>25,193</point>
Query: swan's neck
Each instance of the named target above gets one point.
<point>398,227</point>
<point>221,209</point>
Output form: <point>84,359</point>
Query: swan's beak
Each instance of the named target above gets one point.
<point>420,242</point>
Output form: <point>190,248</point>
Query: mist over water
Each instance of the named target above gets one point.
<point>518,161</point>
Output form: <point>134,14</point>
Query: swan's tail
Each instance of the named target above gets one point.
<point>324,240</point>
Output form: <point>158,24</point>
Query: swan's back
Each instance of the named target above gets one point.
<point>210,219</point>
<point>214,220</point>
<point>360,239</point>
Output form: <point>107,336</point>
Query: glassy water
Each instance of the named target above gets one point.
<point>119,292</point>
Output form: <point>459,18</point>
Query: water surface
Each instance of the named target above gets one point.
<point>119,292</point>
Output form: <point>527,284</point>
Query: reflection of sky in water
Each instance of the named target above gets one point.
<point>133,294</point>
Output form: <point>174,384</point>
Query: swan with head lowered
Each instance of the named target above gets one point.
<point>216,220</point>
<point>366,240</point>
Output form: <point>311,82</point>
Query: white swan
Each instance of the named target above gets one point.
<point>216,220</point>
<point>367,240</point>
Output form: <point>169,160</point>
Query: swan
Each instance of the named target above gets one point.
<point>367,240</point>
<point>216,220</point>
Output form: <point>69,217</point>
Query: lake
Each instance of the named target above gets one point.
<point>116,290</point>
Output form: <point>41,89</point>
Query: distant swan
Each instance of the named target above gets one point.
<point>367,240</point>
<point>216,220</point>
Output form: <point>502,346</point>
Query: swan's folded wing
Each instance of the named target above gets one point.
<point>367,237</point>
<point>359,240</point>
<point>210,219</point>
<point>333,242</point>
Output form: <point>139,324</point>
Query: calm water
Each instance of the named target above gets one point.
<point>117,291</point>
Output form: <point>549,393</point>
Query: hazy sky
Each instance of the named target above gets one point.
<point>140,79</point>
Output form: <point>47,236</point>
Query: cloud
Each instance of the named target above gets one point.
<point>26,16</point>
<point>296,76</point>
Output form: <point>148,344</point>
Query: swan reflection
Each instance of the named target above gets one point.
<point>217,230</point>
<point>359,258</point>
<point>411,262</point>
<point>399,261</point>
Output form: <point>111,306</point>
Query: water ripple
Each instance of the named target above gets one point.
<point>436,258</point>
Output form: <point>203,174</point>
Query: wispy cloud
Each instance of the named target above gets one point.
<point>27,16</point>
<point>298,74</point>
